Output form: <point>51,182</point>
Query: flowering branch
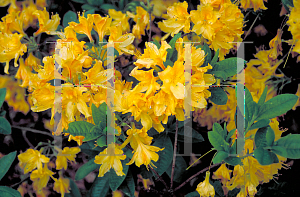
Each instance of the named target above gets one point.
<point>174,154</point>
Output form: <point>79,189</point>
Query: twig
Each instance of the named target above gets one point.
<point>174,154</point>
<point>25,138</point>
<point>18,183</point>
<point>159,178</point>
<point>33,130</point>
<point>200,172</point>
<point>251,27</point>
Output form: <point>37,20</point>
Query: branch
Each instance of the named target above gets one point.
<point>159,178</point>
<point>174,154</point>
<point>33,130</point>
<point>200,172</point>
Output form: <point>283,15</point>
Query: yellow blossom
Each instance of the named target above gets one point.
<point>10,48</point>
<point>205,189</point>
<point>118,17</point>
<point>41,177</point>
<point>222,173</point>
<point>101,25</point>
<point>31,159</point>
<point>110,159</point>
<point>256,4</point>
<point>43,98</point>
<point>27,16</point>
<point>13,22</point>
<point>144,153</point>
<point>62,186</point>
<point>84,26</point>
<point>65,155</point>
<point>97,74</point>
<point>78,139</point>
<point>46,24</point>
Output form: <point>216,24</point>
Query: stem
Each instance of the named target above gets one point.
<point>33,130</point>
<point>200,172</point>
<point>159,177</point>
<point>251,27</point>
<point>174,154</point>
<point>18,183</point>
<point>200,158</point>
<point>26,139</point>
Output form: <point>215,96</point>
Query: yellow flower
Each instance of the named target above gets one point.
<point>205,189</point>
<point>64,155</point>
<point>142,21</point>
<point>144,153</point>
<point>275,45</point>
<point>205,19</point>
<point>78,139</point>
<point>120,41</point>
<point>32,159</point>
<point>294,23</point>
<point>10,48</point>
<point>84,26</point>
<point>46,24</point>
<point>62,185</point>
<point>222,173</point>
<point>5,3</point>
<point>160,7</point>
<point>101,25</point>
<point>41,177</point>
<point>43,98</point>
<point>24,73</point>
<point>153,56</point>
<point>97,74</point>
<point>118,17</point>
<point>27,14</point>
<point>256,4</point>
<point>13,22</point>
<point>110,159</point>
<point>147,81</point>
<point>178,19</point>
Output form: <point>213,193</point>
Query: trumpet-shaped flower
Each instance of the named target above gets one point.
<point>41,177</point>
<point>256,4</point>
<point>205,189</point>
<point>153,56</point>
<point>46,24</point>
<point>65,155</point>
<point>84,26</point>
<point>222,173</point>
<point>43,98</point>
<point>97,74</point>
<point>109,158</point>
<point>32,159</point>
<point>118,17</point>
<point>144,153</point>
<point>121,42</point>
<point>10,48</point>
<point>102,25</point>
<point>13,22</point>
<point>178,19</point>
<point>62,186</point>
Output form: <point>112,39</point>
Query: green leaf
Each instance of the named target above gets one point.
<point>108,6</point>
<point>88,7</point>
<point>249,105</point>
<point>262,98</point>
<point>146,174</point>
<point>74,192</point>
<point>218,74</point>
<point>156,43</point>
<point>9,192</point>
<point>215,59</point>
<point>288,4</point>
<point>193,194</point>
<point>89,12</point>
<point>230,134</point>
<point>233,160</point>
<point>128,186</point>
<point>189,133</point>
<point>5,163</point>
<point>2,96</point>
<point>172,44</point>
<point>79,128</point>
<point>217,140</point>
<point>260,137</point>
<point>101,141</point>
<point>99,114</point>
<point>228,66</point>
<point>114,180</point>
<point>85,169</point>
<point>95,2</point>
<point>5,127</point>
<point>270,136</point>
<point>218,128</point>
<point>277,106</point>
<point>265,157</point>
<point>100,186</point>
<point>69,17</point>
<point>79,1</point>
<point>180,169</point>
<point>90,149</point>
<point>168,63</point>
<point>166,155</point>
<point>260,124</point>
<point>291,143</point>
<point>218,188</point>
<point>220,156</point>
<point>279,150</point>
<point>218,95</point>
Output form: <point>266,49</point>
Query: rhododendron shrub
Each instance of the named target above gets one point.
<point>128,97</point>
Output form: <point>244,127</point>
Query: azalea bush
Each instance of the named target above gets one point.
<point>129,98</point>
